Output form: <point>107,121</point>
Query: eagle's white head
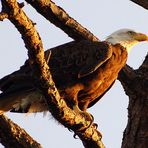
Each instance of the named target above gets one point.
<point>127,38</point>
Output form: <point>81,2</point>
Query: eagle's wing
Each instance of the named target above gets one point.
<point>99,53</point>
<point>67,63</point>
<point>78,59</point>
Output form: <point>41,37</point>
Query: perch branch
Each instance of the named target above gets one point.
<point>3,16</point>
<point>62,20</point>
<point>57,106</point>
<point>11,135</point>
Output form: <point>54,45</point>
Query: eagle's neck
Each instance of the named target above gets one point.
<point>127,44</point>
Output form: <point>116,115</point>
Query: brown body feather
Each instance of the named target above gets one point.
<point>82,71</point>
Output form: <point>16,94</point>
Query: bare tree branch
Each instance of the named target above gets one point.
<point>144,66</point>
<point>11,135</point>
<point>129,78</point>
<point>126,76</point>
<point>62,20</point>
<point>57,106</point>
<point>143,3</point>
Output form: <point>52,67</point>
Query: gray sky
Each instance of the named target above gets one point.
<point>101,18</point>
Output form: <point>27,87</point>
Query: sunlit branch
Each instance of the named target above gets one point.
<point>3,16</point>
<point>11,135</point>
<point>62,20</point>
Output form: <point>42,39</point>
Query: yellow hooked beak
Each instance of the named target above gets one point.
<point>140,37</point>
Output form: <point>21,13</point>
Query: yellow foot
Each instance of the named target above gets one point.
<point>84,114</point>
<point>87,116</point>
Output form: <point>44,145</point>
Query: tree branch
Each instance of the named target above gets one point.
<point>11,135</point>
<point>129,78</point>
<point>3,16</point>
<point>144,66</point>
<point>57,106</point>
<point>62,20</point>
<point>126,76</point>
<point>143,3</point>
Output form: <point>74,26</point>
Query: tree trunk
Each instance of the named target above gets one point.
<point>135,83</point>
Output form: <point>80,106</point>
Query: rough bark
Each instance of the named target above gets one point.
<point>62,20</point>
<point>3,16</point>
<point>11,135</point>
<point>143,3</point>
<point>135,83</point>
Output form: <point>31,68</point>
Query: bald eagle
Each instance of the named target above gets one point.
<point>82,71</point>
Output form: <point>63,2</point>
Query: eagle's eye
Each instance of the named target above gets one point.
<point>131,32</point>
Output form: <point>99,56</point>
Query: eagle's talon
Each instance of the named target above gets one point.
<point>70,130</point>
<point>95,125</point>
<point>91,121</point>
<point>75,136</point>
<point>87,116</point>
<point>84,114</point>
